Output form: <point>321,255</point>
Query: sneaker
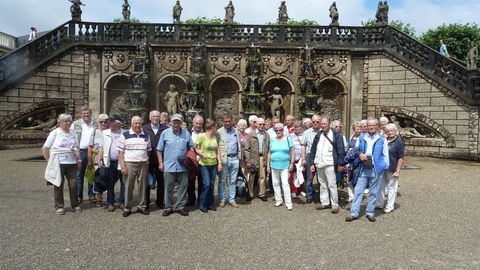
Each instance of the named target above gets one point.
<point>78,209</point>
<point>60,211</point>
<point>221,204</point>
<point>234,205</point>
<point>290,208</point>
<point>277,204</point>
<point>386,211</point>
<point>303,194</point>
<point>294,195</point>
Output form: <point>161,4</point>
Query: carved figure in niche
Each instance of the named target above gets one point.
<point>119,106</point>
<point>172,100</point>
<point>47,124</point>
<point>229,13</point>
<point>126,11</point>
<point>334,14</point>
<point>277,102</point>
<point>282,14</point>
<point>409,131</point>
<point>76,10</point>
<point>382,13</point>
<point>472,56</point>
<point>177,12</point>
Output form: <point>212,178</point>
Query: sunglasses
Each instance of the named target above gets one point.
<point>315,121</point>
<point>278,130</point>
<point>102,122</point>
<point>261,124</point>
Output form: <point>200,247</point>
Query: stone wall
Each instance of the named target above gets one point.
<point>393,87</point>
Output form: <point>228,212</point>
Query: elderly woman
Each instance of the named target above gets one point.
<point>353,165</point>
<point>396,154</point>
<point>280,161</point>
<point>297,139</point>
<point>96,140</point>
<point>206,146</point>
<point>62,153</point>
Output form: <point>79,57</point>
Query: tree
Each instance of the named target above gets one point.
<point>205,20</point>
<point>456,36</point>
<point>297,23</point>
<point>133,20</point>
<point>404,27</point>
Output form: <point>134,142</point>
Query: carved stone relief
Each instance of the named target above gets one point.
<point>332,64</point>
<point>278,64</point>
<point>172,62</point>
<point>225,63</point>
<point>118,61</point>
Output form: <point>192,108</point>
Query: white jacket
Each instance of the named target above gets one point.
<point>107,144</point>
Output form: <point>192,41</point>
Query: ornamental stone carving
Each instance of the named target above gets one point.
<point>225,63</point>
<point>332,64</point>
<point>278,64</point>
<point>172,62</point>
<point>119,61</point>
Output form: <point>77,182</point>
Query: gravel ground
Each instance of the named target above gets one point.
<point>434,226</point>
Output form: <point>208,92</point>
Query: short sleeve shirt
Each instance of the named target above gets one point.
<point>208,147</point>
<point>135,146</point>
<point>396,150</point>
<point>280,153</point>
<point>173,147</point>
<point>60,140</point>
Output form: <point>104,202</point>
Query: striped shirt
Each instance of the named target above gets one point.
<point>135,147</point>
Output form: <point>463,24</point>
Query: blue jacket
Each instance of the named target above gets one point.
<point>338,149</point>
<point>377,153</point>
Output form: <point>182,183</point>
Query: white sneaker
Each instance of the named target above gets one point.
<point>303,194</point>
<point>294,195</point>
<point>78,209</point>
<point>60,211</point>
<point>290,208</point>
<point>366,191</point>
<point>387,210</point>
<point>277,204</point>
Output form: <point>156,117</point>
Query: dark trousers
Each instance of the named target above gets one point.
<point>113,176</point>
<point>191,188</point>
<point>153,170</point>
<point>81,176</point>
<point>67,171</point>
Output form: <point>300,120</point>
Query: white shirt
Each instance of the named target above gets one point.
<point>155,128</point>
<point>87,132</point>
<point>308,137</point>
<point>324,154</point>
<point>57,139</point>
<point>370,140</point>
<point>195,135</point>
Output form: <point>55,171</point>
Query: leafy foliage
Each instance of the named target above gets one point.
<point>132,20</point>
<point>404,27</point>
<point>297,23</point>
<point>205,20</point>
<point>456,36</point>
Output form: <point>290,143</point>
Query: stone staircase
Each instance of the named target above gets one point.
<point>451,74</point>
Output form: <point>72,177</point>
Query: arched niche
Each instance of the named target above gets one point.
<point>333,92</point>
<point>225,96</point>
<point>286,91</point>
<point>115,92</point>
<point>162,87</point>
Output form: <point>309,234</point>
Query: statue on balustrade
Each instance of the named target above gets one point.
<point>126,11</point>
<point>76,10</point>
<point>334,14</point>
<point>173,100</point>
<point>382,13</point>
<point>229,13</point>
<point>177,12</point>
<point>282,14</point>
<point>472,56</point>
<point>277,103</point>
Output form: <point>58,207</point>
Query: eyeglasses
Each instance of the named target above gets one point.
<point>261,124</point>
<point>278,130</point>
<point>102,122</point>
<point>315,121</point>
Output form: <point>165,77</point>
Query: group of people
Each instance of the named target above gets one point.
<point>165,156</point>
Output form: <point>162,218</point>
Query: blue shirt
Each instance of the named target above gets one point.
<point>280,153</point>
<point>443,50</point>
<point>232,142</point>
<point>174,146</point>
<point>396,150</point>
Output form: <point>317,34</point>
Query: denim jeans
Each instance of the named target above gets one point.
<point>207,199</point>
<point>374,181</point>
<point>81,177</point>
<point>113,176</point>
<point>229,169</point>
<point>308,181</point>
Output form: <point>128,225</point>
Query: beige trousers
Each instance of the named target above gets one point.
<point>136,172</point>
<point>261,179</point>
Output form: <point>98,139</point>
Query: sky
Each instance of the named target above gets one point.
<point>17,16</point>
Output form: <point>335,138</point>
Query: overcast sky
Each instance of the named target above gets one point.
<point>16,16</point>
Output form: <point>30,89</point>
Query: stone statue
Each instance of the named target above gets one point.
<point>277,102</point>
<point>172,99</point>
<point>282,14</point>
<point>472,56</point>
<point>126,11</point>
<point>382,13</point>
<point>177,12</point>
<point>75,10</point>
<point>409,131</point>
<point>229,13</point>
<point>334,14</point>
<point>47,125</point>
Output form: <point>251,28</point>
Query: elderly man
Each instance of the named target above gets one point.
<point>374,156</point>
<point>307,142</point>
<point>84,129</point>
<point>109,158</point>
<point>256,149</point>
<point>289,121</point>
<point>271,131</point>
<point>230,151</point>
<point>307,123</point>
<point>153,130</point>
<point>173,144</point>
<point>134,149</point>
<point>252,123</point>
<point>194,132</point>
<point>326,156</point>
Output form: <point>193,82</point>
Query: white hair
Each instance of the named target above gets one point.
<point>363,122</point>
<point>306,120</point>
<point>391,126</point>
<point>252,118</point>
<point>383,119</point>
<point>336,123</point>
<point>242,122</point>
<point>278,125</point>
<point>103,116</point>
<point>64,117</point>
